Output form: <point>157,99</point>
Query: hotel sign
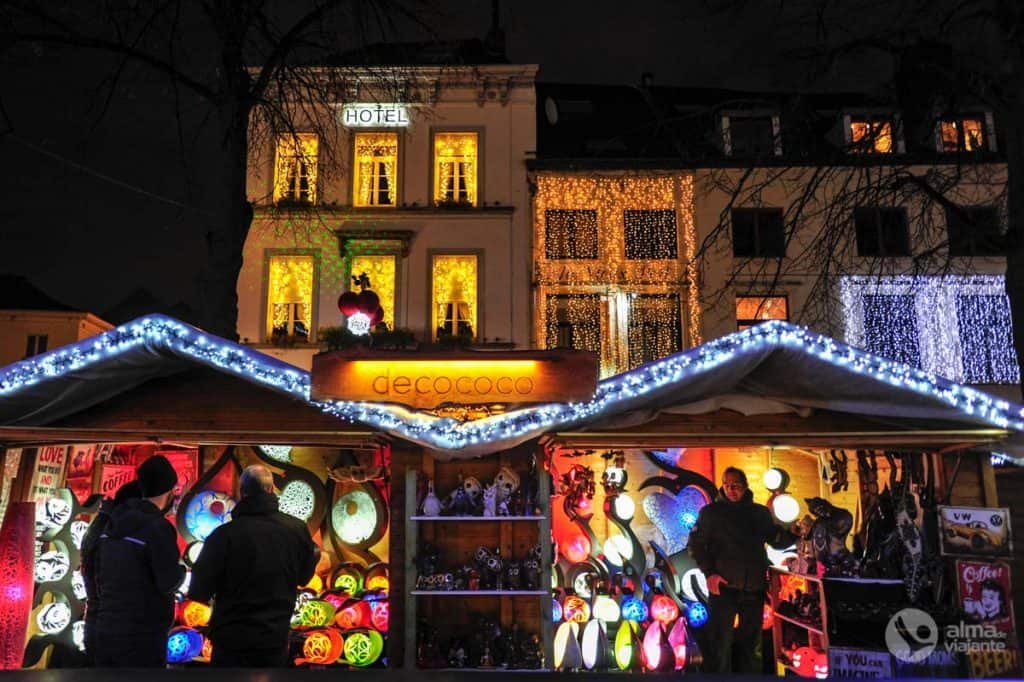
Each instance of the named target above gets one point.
<point>430,380</point>
<point>375,115</point>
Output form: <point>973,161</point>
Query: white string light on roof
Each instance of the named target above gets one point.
<point>958,327</point>
<point>162,334</point>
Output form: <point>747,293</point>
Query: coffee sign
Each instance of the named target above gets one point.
<point>374,115</point>
<point>427,381</point>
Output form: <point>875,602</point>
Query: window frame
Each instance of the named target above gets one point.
<point>266,329</point>
<point>293,137</point>
<point>776,131</point>
<point>396,192</point>
<point>988,141</point>
<point>679,331</point>
<point>625,241</point>
<point>36,344</point>
<point>478,331</point>
<point>431,175</point>
<point>872,116</point>
<point>973,241</point>
<point>877,213</point>
<point>572,211</point>
<point>757,211</point>
<point>745,323</point>
<point>551,305</point>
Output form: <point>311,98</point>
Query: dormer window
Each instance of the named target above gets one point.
<point>746,135</point>
<point>872,134</point>
<point>965,134</point>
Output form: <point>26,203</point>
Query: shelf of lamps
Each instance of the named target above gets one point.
<point>480,593</point>
<point>495,669</point>
<point>476,518</point>
<point>794,621</point>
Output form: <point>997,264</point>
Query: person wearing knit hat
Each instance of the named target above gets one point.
<point>137,572</point>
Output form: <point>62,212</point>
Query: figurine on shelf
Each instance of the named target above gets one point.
<point>491,501</point>
<point>456,653</point>
<point>474,495</point>
<point>530,574</point>
<point>496,567</point>
<point>506,482</point>
<point>828,536</point>
<point>457,503</point>
<point>482,557</point>
<point>431,503</point>
<point>486,660</point>
<point>513,575</point>
<point>530,653</point>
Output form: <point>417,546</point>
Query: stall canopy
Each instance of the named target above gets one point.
<point>772,368</point>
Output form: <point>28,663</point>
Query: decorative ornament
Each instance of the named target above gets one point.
<point>348,578</point>
<point>183,644</point>
<point>297,499</point>
<point>359,323</point>
<point>675,515</point>
<point>575,610</point>
<point>53,618</point>
<point>380,615</point>
<point>363,648</point>
<point>677,640</point>
<point>206,511</point>
<point>658,655</point>
<point>595,645</point>
<point>627,646</point>
<point>321,647</point>
<point>697,614</point>
<point>316,613</point>
<point>431,503</point>
<point>355,614</point>
<point>664,609</point>
<point>567,647</point>
<point>606,609</point>
<point>195,614</point>
<point>354,517</point>
<point>348,303</point>
<point>634,609</point>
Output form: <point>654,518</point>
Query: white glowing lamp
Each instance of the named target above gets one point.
<point>786,508</point>
<point>625,507</point>
<point>605,609</point>
<point>595,645</point>
<point>621,547</point>
<point>359,323</point>
<point>567,646</point>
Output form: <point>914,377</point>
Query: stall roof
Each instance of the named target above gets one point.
<point>772,368</point>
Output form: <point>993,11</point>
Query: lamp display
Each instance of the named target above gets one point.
<point>675,515</point>
<point>595,645</point>
<point>354,517</point>
<point>207,511</point>
<point>664,609</point>
<point>627,646</point>
<point>356,614</point>
<point>775,479</point>
<point>363,648</point>
<point>697,614</point>
<point>657,652</point>
<point>618,549</point>
<point>785,507</point>
<point>380,615</point>
<point>677,640</point>
<point>53,618</point>
<point>315,613</point>
<point>322,647</point>
<point>195,614</point>
<point>566,646</point>
<point>348,578</point>
<point>575,610</point>
<point>78,529</point>
<point>634,609</point>
<point>183,644</point>
<point>556,611</point>
<point>78,634</point>
<point>606,609</point>
<point>278,453</point>
<point>297,499</point>
<point>52,566</point>
<point>78,585</point>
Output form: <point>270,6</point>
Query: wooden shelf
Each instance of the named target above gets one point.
<point>480,593</point>
<point>476,518</point>
<point>794,621</point>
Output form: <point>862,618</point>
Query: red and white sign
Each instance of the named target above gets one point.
<point>986,595</point>
<point>114,476</point>
<point>48,475</point>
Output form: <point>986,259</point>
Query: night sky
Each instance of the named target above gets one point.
<point>100,198</point>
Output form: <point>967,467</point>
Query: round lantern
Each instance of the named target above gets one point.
<point>803,661</point>
<point>697,614</point>
<point>634,609</point>
<point>206,511</point>
<point>363,648</point>
<point>316,613</point>
<point>625,507</point>
<point>359,323</point>
<point>52,566</point>
<point>380,615</point>
<point>183,644</point>
<point>575,610</point>
<point>355,614</point>
<point>785,507</point>
<point>595,646</point>
<point>195,614</point>
<point>556,611</point>
<point>354,517</point>
<point>53,618</point>
<point>775,479</point>
<point>322,647</point>
<point>664,609</point>
<point>348,303</point>
<point>618,549</point>
<point>349,578</point>
<point>297,499</point>
<point>627,647</point>
<point>606,609</point>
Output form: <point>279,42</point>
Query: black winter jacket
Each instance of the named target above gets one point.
<point>90,545</point>
<point>729,540</point>
<point>252,568</point>
<point>137,572</point>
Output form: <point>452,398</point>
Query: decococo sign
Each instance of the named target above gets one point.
<point>375,115</point>
<point>426,381</point>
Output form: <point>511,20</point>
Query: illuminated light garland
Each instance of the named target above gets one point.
<point>295,167</point>
<point>938,323</point>
<point>158,333</point>
<point>454,302</point>
<point>455,167</point>
<point>376,182</point>
<point>290,294</point>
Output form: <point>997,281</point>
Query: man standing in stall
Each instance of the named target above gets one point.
<point>728,545</point>
<point>250,569</point>
<point>137,571</point>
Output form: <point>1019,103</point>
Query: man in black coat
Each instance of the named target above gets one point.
<point>90,543</point>
<point>252,568</point>
<point>728,545</point>
<point>137,572</point>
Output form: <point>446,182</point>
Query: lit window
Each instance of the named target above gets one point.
<point>36,344</point>
<point>654,327</point>
<point>871,135</point>
<point>574,321</point>
<point>758,233</point>
<point>986,339</point>
<point>381,272</point>
<point>650,235</point>
<point>751,310</point>
<point>975,231</point>
<point>295,168</point>
<point>570,234</point>
<point>966,134</point>
<point>455,168</point>
<point>881,232</point>
<point>890,328</point>
<point>376,165</point>
<point>290,297</point>
<point>454,301</point>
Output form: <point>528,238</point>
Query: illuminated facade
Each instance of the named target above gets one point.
<point>424,192</point>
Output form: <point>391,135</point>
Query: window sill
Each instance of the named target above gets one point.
<point>335,210</point>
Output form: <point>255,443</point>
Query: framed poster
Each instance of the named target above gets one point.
<point>186,465</point>
<point>975,531</point>
<point>48,474</point>
<point>986,596</point>
<point>113,476</point>
<point>859,663</point>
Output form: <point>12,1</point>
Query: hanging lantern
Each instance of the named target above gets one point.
<point>657,653</point>
<point>322,647</point>
<point>634,609</point>
<point>775,479</point>
<point>355,614</point>
<point>567,647</point>
<point>697,614</point>
<point>664,609</point>
<point>576,610</point>
<point>595,645</point>
<point>606,609</point>
<point>195,614</point>
<point>627,646</point>
<point>556,611</point>
<point>363,648</point>
<point>183,644</point>
<point>677,640</point>
<point>380,615</point>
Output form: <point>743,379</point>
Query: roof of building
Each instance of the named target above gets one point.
<point>773,367</point>
<point>18,293</point>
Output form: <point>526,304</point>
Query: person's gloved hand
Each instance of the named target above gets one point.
<point>715,583</point>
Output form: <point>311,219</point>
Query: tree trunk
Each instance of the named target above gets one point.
<point>1015,227</point>
<point>228,227</point>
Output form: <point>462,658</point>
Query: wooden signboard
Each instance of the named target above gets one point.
<point>430,380</point>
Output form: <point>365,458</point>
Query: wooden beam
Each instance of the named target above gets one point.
<point>27,436</point>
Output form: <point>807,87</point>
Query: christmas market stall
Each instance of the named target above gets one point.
<point>434,482</point>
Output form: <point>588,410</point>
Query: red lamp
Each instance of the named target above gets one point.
<point>355,614</point>
<point>664,609</point>
<point>16,557</point>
